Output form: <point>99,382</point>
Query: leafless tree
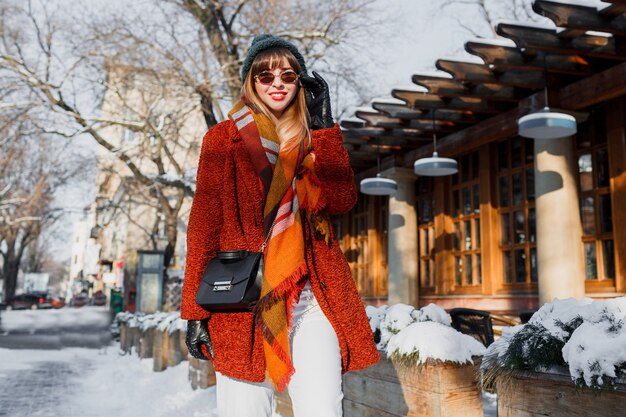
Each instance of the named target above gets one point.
<point>179,56</point>
<point>490,12</point>
<point>29,174</point>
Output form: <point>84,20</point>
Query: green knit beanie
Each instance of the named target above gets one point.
<point>266,41</point>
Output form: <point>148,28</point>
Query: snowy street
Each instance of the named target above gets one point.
<point>54,329</point>
<point>44,373</point>
<point>80,382</point>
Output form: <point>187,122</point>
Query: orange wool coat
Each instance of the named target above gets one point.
<point>227,214</point>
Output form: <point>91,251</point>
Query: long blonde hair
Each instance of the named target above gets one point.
<point>293,127</point>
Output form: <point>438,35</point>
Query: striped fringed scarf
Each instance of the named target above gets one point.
<point>289,185</point>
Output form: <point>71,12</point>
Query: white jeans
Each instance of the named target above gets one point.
<point>315,387</point>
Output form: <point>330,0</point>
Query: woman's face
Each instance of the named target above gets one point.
<point>278,94</point>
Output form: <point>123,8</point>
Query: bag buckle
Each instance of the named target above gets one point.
<point>222,285</point>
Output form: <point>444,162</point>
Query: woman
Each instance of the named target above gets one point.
<point>277,168</point>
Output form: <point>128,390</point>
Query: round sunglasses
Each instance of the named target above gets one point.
<point>267,78</point>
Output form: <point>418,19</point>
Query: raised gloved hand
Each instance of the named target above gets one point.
<point>317,100</point>
<point>198,335</point>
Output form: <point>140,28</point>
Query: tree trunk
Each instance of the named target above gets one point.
<point>206,101</point>
<point>10,269</point>
<point>226,53</point>
<point>172,237</point>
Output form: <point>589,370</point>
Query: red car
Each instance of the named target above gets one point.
<point>57,302</point>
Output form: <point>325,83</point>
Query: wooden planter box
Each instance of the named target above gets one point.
<point>124,338</point>
<point>146,344</point>
<point>159,353</point>
<point>201,373</point>
<point>129,338</point>
<point>174,351</point>
<point>433,390</point>
<point>183,345</point>
<point>556,396</point>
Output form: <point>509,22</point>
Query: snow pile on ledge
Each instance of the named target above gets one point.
<point>160,320</point>
<point>415,336</point>
<point>586,337</point>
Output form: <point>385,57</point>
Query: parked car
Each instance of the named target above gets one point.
<point>31,301</point>
<point>57,302</point>
<point>79,300</point>
<point>99,299</point>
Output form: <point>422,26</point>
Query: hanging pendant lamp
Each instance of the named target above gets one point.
<point>435,166</point>
<point>546,124</point>
<point>378,185</point>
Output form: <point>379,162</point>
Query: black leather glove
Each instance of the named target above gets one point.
<point>317,100</point>
<point>198,335</point>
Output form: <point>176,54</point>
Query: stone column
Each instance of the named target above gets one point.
<point>402,239</point>
<point>560,263</point>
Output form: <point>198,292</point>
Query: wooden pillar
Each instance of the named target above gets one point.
<point>444,263</point>
<point>559,247</point>
<point>402,257</point>
<point>616,142</point>
<point>489,229</point>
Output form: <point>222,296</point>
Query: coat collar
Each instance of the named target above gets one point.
<point>233,132</point>
<point>246,176</point>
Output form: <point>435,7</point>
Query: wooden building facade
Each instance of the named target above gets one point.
<point>524,220</point>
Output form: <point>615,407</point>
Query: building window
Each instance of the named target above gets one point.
<point>426,231</point>
<point>466,222</point>
<point>516,209</point>
<point>595,199</point>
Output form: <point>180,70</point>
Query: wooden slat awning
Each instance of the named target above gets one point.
<point>502,58</point>
<point>580,19</point>
<point>547,40</point>
<point>587,44</point>
<point>444,87</point>
<point>404,112</point>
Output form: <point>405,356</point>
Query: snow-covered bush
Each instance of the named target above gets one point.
<point>396,318</point>
<point>587,337</point>
<point>421,341</point>
<point>412,337</point>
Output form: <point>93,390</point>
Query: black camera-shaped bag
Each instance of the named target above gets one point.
<point>231,281</point>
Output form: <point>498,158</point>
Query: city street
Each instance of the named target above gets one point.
<point>63,363</point>
<point>54,329</point>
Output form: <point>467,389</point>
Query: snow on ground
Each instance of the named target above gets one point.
<point>98,383</point>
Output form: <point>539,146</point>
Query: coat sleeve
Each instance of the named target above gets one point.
<point>205,220</point>
<point>332,167</point>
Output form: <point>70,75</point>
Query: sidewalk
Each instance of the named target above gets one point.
<point>78,382</point>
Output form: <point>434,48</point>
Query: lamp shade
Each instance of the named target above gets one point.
<point>435,166</point>
<point>546,124</point>
<point>378,186</point>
